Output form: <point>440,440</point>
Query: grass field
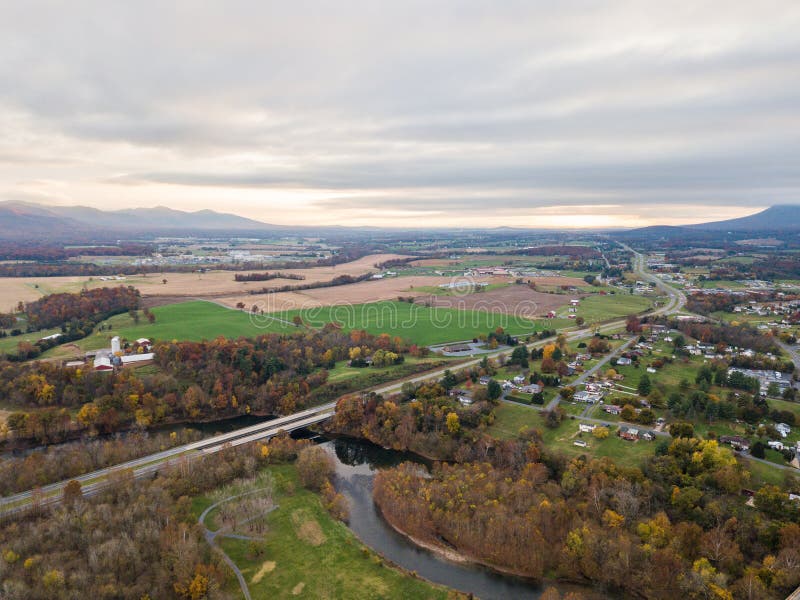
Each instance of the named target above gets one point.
<point>9,344</point>
<point>198,320</point>
<point>420,324</point>
<point>195,321</point>
<point>597,308</point>
<point>332,563</point>
<point>510,418</point>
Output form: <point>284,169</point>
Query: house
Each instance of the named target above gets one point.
<point>586,427</point>
<point>484,380</point>
<point>775,445</point>
<point>574,302</point>
<point>783,429</point>
<point>651,370</point>
<point>580,443</point>
<point>532,388</point>
<point>588,397</point>
<point>551,314</point>
<point>519,380</point>
<point>624,361</point>
<point>629,433</point>
<point>736,442</point>
<point>648,436</point>
<point>613,409</point>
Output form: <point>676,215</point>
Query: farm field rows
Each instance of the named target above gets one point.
<point>27,289</point>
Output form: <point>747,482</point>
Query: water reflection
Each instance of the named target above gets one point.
<point>356,463</point>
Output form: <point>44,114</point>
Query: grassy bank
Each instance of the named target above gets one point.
<point>306,553</point>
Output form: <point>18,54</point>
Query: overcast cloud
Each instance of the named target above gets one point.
<point>428,113</point>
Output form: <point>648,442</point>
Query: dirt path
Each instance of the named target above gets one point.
<point>211,537</point>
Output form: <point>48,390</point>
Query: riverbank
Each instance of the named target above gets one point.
<point>304,552</point>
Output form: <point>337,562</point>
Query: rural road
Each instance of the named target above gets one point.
<point>588,373</point>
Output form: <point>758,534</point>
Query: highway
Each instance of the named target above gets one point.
<point>95,481</point>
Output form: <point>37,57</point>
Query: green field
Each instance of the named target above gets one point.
<point>9,344</point>
<point>194,321</point>
<point>197,320</point>
<point>420,324</point>
<point>598,308</point>
<point>308,554</point>
<point>510,418</point>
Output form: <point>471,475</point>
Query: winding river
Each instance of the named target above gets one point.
<point>356,463</point>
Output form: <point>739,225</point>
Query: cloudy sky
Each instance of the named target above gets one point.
<point>569,113</point>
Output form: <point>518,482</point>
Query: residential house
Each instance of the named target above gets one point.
<point>628,433</point>
<point>586,427</point>
<point>612,409</point>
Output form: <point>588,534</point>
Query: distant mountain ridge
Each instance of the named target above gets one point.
<point>781,217</point>
<point>22,219</point>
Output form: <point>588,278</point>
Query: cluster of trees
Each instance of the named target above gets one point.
<point>431,424</point>
<point>43,466</point>
<point>138,538</point>
<point>91,306</point>
<point>267,276</point>
<point>336,281</point>
<point>742,336</point>
<point>678,528</point>
<point>39,251</point>
<point>196,381</point>
<point>565,250</point>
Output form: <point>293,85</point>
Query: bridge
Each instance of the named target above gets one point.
<point>96,481</point>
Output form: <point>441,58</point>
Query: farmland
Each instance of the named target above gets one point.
<point>598,307</point>
<point>197,320</point>
<point>187,285</point>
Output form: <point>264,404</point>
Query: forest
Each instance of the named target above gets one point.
<point>195,381</point>
<point>266,276</point>
<point>137,539</point>
<point>91,306</point>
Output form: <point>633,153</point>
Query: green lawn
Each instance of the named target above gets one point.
<point>309,554</point>
<point>510,418</point>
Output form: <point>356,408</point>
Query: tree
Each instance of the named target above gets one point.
<point>72,492</point>
<point>645,386</point>
<point>579,321</point>
<point>449,380</point>
<point>681,430</point>
<point>314,466</point>
<point>633,324</point>
<point>758,449</point>
<point>494,390</point>
<point>600,432</point>
<point>453,424</point>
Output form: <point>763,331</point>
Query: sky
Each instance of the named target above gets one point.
<point>405,114</point>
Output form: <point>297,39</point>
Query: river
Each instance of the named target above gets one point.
<point>356,463</point>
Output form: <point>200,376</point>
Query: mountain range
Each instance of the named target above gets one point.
<point>22,219</point>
